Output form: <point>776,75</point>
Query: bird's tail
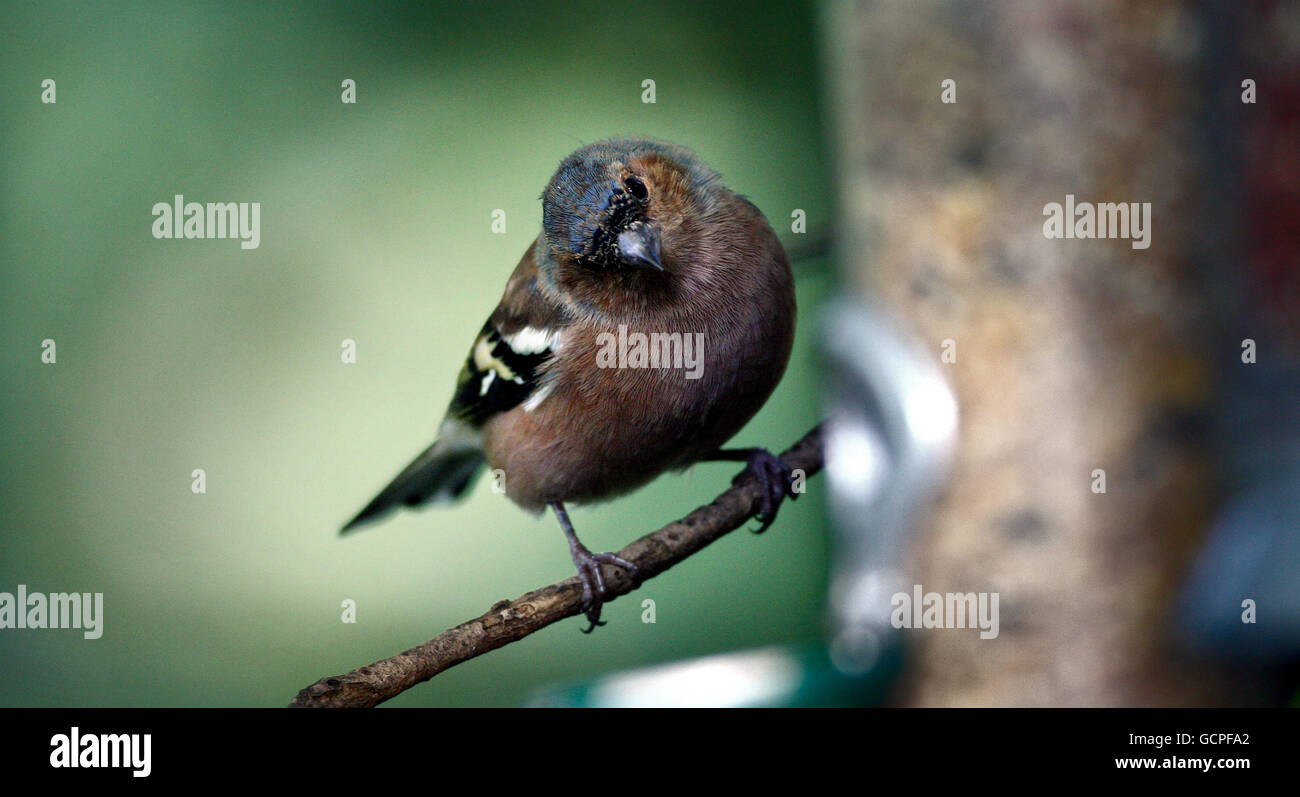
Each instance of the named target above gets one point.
<point>442,473</point>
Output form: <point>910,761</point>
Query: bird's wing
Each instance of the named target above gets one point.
<point>506,367</point>
<point>507,363</point>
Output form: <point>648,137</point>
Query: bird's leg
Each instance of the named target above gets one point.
<point>773,475</point>
<point>588,564</point>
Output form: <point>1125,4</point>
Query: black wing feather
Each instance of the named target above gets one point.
<point>485,389</point>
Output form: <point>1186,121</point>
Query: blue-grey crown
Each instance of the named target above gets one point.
<point>582,194</point>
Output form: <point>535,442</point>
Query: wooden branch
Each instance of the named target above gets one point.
<point>510,621</point>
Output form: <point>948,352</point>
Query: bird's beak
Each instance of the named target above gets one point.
<point>639,246</point>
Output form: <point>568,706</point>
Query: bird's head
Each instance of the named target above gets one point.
<point>617,206</point>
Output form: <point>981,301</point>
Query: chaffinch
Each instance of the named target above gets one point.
<point>648,322</point>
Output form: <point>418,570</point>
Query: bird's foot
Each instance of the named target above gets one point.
<point>593,580</point>
<point>776,480</point>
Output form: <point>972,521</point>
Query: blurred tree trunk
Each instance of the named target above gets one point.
<point>1072,356</point>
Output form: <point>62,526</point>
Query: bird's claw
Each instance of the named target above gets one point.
<point>593,581</point>
<point>776,480</point>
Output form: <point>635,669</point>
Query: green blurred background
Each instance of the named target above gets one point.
<point>375,226</point>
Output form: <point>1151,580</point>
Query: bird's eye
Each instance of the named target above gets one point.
<point>636,188</point>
